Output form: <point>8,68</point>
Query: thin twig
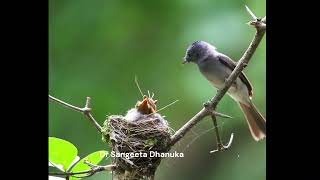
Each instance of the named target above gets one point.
<point>254,17</point>
<point>193,121</point>
<point>225,147</point>
<point>65,104</point>
<point>215,113</point>
<point>219,142</point>
<point>86,110</point>
<point>260,26</point>
<point>91,171</point>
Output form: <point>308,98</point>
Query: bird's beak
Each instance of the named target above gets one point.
<point>185,61</point>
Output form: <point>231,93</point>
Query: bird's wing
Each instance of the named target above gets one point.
<point>225,60</point>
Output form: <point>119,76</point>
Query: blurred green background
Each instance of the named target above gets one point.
<point>97,47</point>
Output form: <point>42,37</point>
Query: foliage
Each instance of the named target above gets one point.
<point>64,154</point>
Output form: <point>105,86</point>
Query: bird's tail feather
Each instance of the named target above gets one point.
<point>256,122</point>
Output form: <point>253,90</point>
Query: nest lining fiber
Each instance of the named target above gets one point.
<point>144,134</point>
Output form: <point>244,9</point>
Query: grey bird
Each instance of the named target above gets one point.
<point>216,68</point>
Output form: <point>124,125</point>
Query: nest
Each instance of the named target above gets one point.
<point>142,135</point>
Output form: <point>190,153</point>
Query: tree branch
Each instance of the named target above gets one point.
<point>86,110</point>
<point>260,26</point>
<point>90,172</point>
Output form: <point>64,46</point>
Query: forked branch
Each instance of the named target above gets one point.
<point>86,110</point>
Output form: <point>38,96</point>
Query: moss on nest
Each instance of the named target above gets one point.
<point>145,134</point>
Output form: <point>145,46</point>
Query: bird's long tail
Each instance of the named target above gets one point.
<point>256,122</point>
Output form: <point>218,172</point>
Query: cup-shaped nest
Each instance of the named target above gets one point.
<point>140,135</point>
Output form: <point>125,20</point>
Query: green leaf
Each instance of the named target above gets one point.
<point>61,152</point>
<point>57,166</point>
<point>93,158</point>
<point>73,163</point>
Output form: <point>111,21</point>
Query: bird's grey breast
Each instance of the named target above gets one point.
<point>214,71</point>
